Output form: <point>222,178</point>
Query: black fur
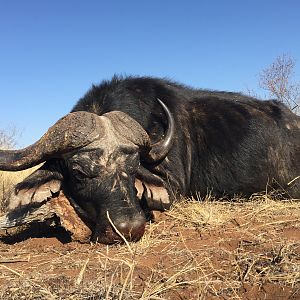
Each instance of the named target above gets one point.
<point>223,140</point>
<point>225,144</point>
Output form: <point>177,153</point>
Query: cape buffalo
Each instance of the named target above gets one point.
<point>134,144</point>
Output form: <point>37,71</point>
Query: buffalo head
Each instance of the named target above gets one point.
<point>95,159</point>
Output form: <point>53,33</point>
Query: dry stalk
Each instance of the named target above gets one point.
<point>119,233</point>
<point>81,273</point>
<point>129,263</point>
<point>42,289</point>
<point>171,282</point>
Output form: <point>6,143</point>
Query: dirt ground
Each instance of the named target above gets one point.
<point>207,250</point>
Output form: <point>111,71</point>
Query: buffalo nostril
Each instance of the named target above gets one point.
<point>132,230</point>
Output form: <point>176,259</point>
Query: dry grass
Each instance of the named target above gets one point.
<point>208,250</point>
<point>8,180</point>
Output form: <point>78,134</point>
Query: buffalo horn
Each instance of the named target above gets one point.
<point>160,149</point>
<point>73,131</point>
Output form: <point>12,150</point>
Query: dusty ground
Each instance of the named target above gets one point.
<point>206,250</point>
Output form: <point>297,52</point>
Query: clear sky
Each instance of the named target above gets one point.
<point>52,51</point>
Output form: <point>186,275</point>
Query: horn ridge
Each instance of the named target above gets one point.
<point>73,131</point>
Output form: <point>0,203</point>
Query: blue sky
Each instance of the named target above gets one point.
<point>51,52</point>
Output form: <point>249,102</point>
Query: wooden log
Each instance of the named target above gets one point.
<point>70,219</point>
<point>70,216</point>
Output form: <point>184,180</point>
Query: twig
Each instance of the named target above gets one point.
<point>81,273</point>
<point>248,270</point>
<point>119,233</point>
<point>292,181</point>
<point>43,290</point>
<point>11,261</point>
<point>11,270</point>
<point>278,222</point>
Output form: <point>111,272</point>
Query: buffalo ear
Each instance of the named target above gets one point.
<point>41,185</point>
<point>156,197</point>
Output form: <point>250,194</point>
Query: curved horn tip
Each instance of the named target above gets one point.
<point>161,149</point>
